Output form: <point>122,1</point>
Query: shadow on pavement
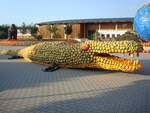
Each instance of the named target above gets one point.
<point>146,69</point>
<point>133,98</point>
<point>15,75</point>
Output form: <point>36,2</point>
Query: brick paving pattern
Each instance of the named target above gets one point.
<point>24,88</point>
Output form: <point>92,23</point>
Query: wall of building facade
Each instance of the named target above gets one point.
<point>43,31</point>
<point>107,29</point>
<point>116,29</point>
<point>60,32</point>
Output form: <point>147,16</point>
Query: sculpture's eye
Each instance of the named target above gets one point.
<point>85,47</point>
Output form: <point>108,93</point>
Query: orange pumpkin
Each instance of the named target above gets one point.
<point>85,47</point>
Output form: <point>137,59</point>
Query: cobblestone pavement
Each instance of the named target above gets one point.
<point>24,88</point>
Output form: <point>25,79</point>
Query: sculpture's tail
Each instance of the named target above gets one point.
<point>9,52</point>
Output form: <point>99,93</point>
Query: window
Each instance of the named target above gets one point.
<point>118,35</point>
<point>113,35</point>
<point>108,35</point>
<point>103,36</point>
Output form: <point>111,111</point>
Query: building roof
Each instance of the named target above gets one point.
<point>97,20</point>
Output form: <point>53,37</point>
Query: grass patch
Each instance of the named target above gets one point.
<point>2,39</point>
<point>53,39</point>
<point>27,40</point>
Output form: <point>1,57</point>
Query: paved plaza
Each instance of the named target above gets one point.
<point>24,88</point>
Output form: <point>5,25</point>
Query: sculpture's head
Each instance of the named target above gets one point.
<point>101,52</point>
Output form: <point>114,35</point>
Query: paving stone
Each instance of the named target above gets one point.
<point>24,88</point>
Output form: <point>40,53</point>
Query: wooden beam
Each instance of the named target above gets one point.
<point>84,30</point>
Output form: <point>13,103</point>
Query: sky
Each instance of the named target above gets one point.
<point>36,11</point>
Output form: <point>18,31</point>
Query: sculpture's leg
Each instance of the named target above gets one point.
<point>15,37</point>
<point>10,36</point>
<point>51,68</point>
<point>14,57</point>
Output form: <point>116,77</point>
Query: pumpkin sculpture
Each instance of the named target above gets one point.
<point>89,54</point>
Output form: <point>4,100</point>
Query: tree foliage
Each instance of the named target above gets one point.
<point>52,29</point>
<point>129,36</point>
<point>4,31</point>
<point>23,28</point>
<point>68,29</point>
<point>33,29</point>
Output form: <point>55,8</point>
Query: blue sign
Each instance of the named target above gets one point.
<point>142,23</point>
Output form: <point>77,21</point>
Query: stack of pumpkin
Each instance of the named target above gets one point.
<point>145,43</point>
<point>74,54</point>
<point>115,46</point>
<point>118,63</point>
<point>55,52</point>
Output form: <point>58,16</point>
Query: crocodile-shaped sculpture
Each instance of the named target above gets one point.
<point>89,54</point>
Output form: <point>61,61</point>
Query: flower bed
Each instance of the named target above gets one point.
<point>145,44</point>
<point>22,43</point>
<point>28,42</point>
<point>17,43</point>
<point>146,51</point>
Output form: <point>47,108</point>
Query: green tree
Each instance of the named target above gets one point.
<point>68,30</point>
<point>4,31</point>
<point>33,29</point>
<point>23,28</point>
<point>52,29</point>
<point>97,36</point>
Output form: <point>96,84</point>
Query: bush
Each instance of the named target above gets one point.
<point>39,37</point>
<point>33,29</point>
<point>4,31</point>
<point>23,28</point>
<point>129,36</point>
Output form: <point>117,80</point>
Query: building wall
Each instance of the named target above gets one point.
<point>115,29</point>
<point>125,26</point>
<point>43,31</point>
<point>107,26</point>
<point>46,34</point>
<point>60,33</point>
<point>81,30</point>
<point>75,31</point>
<point>83,33</point>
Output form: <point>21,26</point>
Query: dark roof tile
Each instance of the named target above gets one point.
<point>97,20</point>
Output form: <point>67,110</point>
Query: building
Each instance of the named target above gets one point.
<point>87,28</point>
<point>24,36</point>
